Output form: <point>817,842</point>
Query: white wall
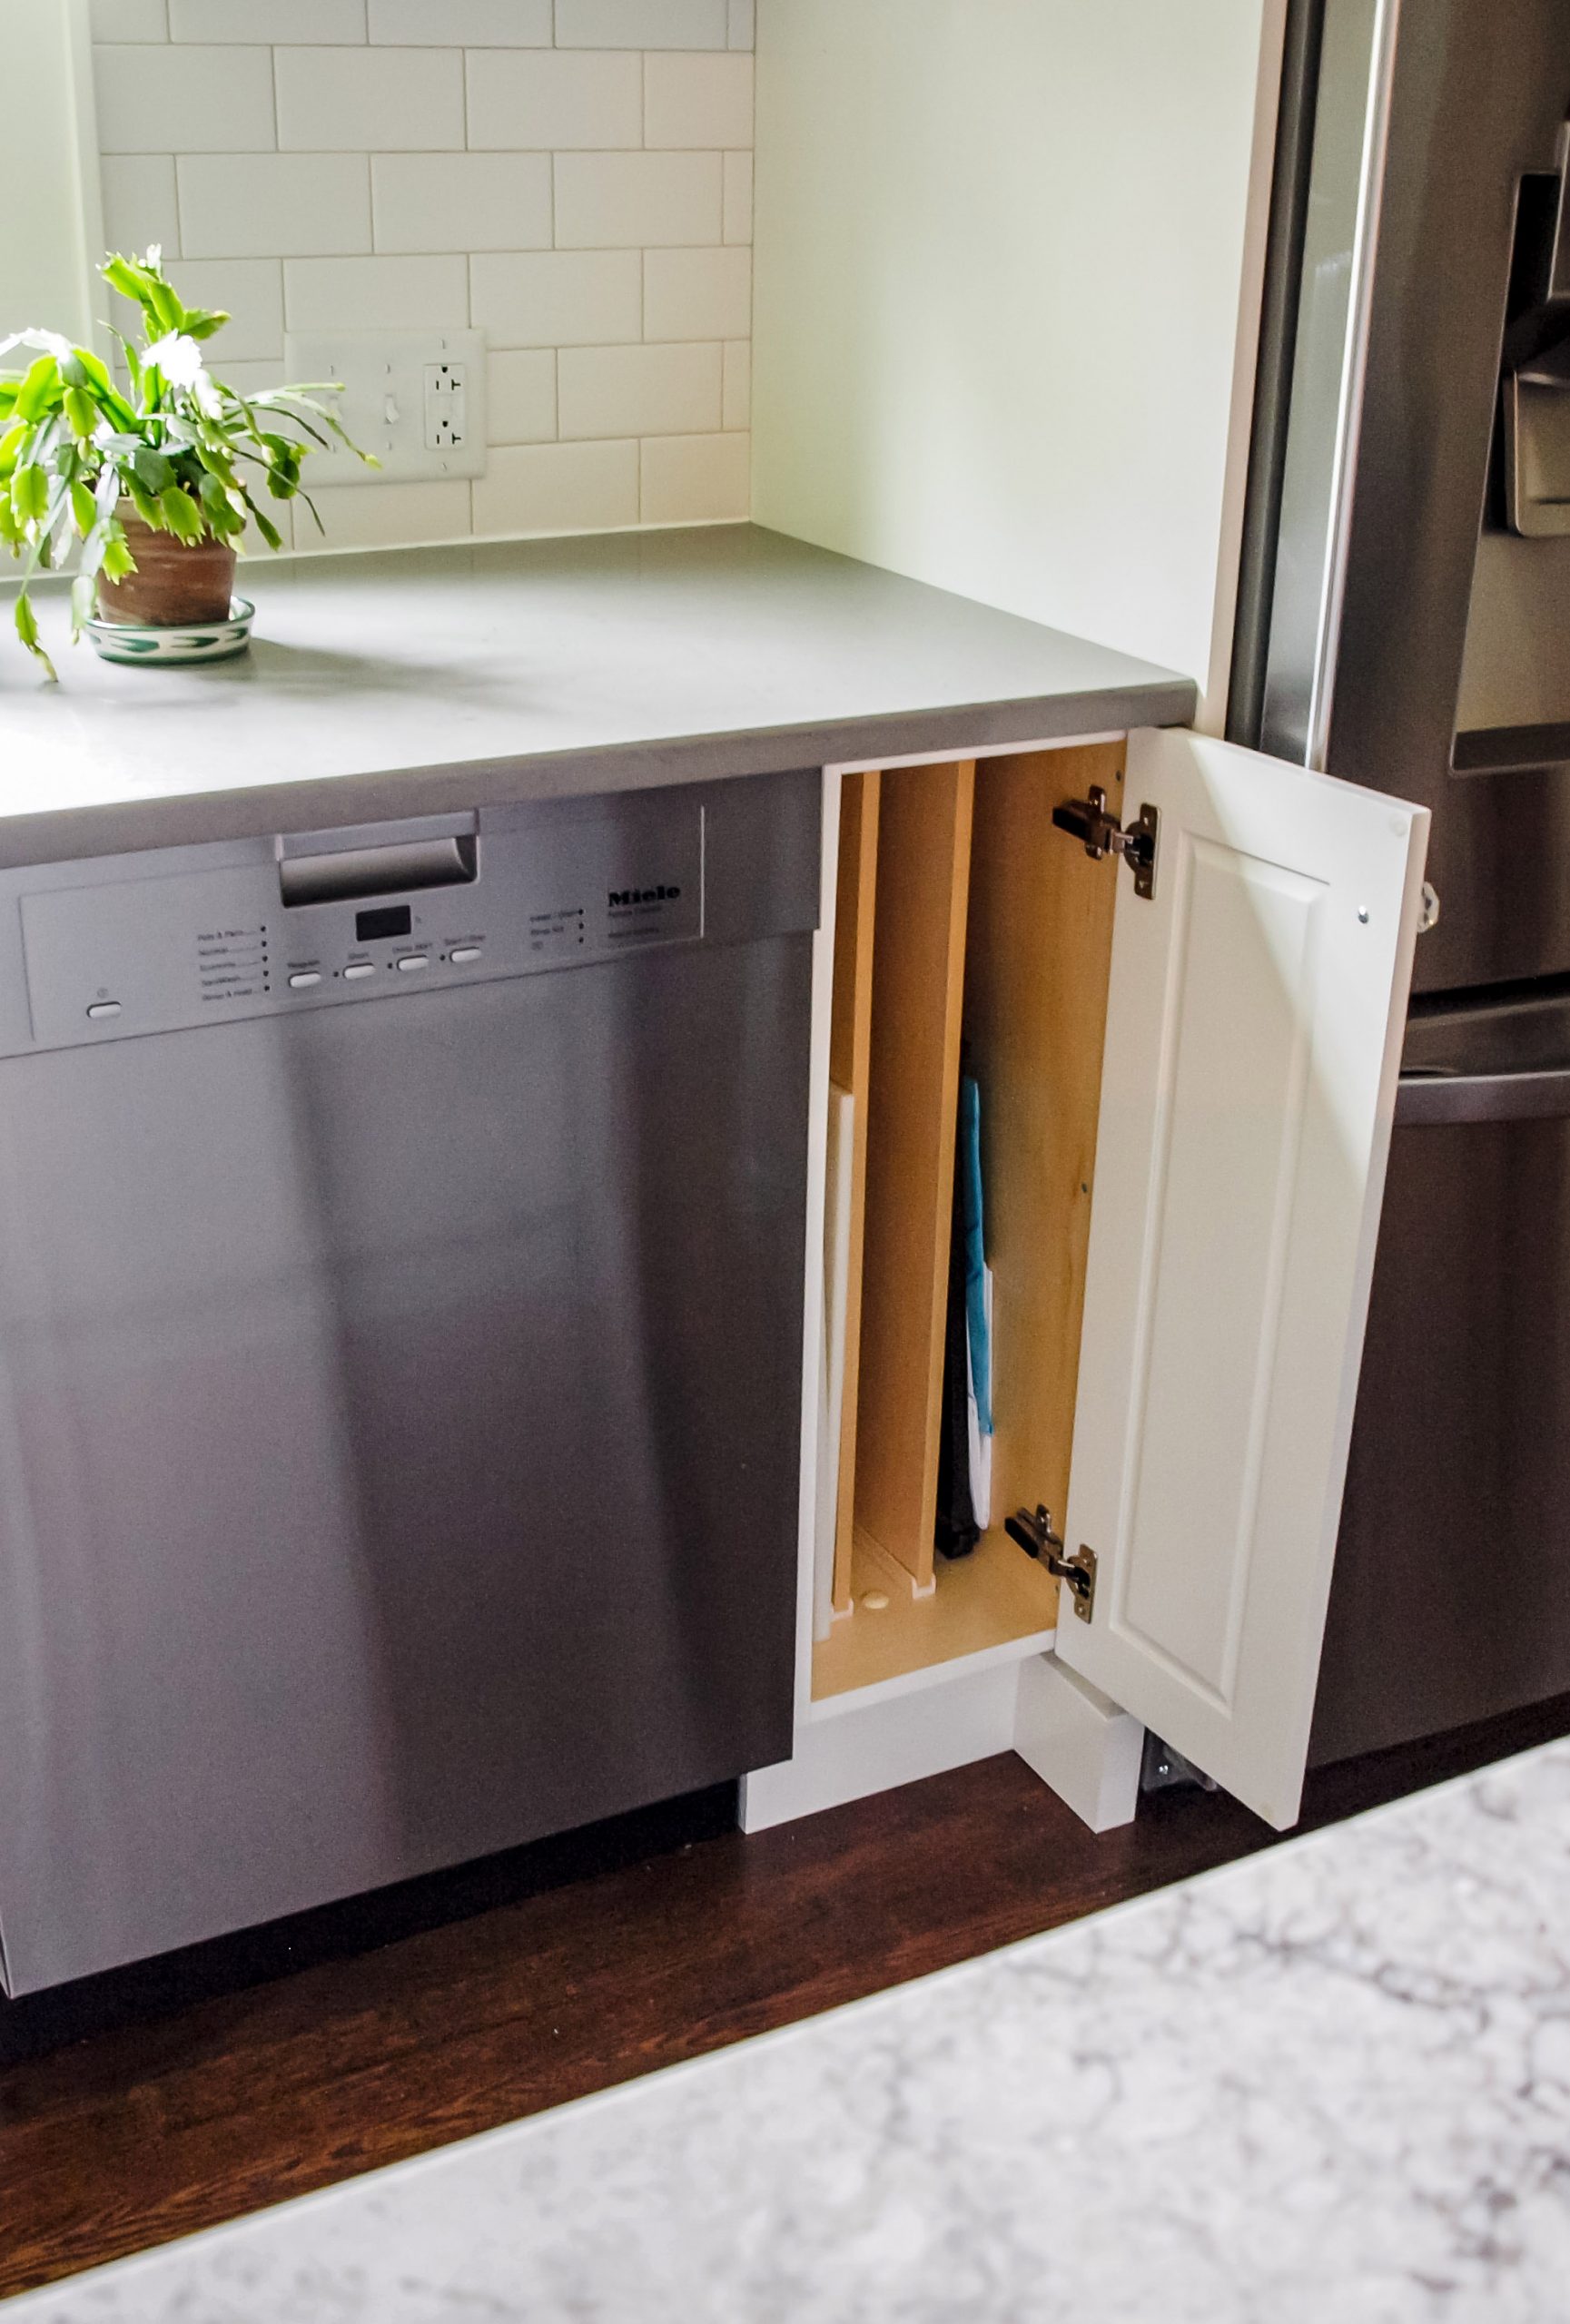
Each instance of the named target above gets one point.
<point>1007,278</point>
<point>48,178</point>
<point>571,176</point>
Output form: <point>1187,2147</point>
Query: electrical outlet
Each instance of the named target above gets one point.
<point>446,404</point>
<point>415,398</point>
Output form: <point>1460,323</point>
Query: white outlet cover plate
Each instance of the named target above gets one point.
<point>383,401</point>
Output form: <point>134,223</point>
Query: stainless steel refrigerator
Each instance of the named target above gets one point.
<point>1405,622</point>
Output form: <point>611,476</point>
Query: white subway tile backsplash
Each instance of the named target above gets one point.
<point>697,294</point>
<point>641,23</point>
<point>249,375</point>
<point>129,20</point>
<point>287,205</point>
<point>456,201</point>
<point>738,197</point>
<point>698,101</point>
<point>608,201</point>
<point>552,98</point>
<point>557,298</point>
<point>520,395</point>
<point>249,291</point>
<point>139,204</point>
<point>737,408</point>
<point>571,177</point>
<point>385,515</point>
<point>358,100</point>
<point>376,293</point>
<point>247,20</point>
<point>167,99</point>
<point>696,479</point>
<point>557,488</point>
<point>638,390</point>
<point>467,23</point>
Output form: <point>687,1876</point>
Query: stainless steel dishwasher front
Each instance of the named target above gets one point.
<point>402,1261</point>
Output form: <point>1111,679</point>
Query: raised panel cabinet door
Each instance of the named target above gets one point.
<point>1253,1040</point>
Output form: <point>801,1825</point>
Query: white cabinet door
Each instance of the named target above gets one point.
<point>1253,1040</point>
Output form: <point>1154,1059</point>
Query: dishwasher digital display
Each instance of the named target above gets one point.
<point>386,919</point>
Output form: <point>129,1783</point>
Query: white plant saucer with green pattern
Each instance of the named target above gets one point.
<point>205,641</point>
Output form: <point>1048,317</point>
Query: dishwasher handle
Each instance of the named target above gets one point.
<point>1431,1101</point>
<point>342,875</point>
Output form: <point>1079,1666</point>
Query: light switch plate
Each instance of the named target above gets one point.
<point>415,398</point>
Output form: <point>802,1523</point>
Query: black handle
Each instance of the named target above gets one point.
<point>1430,1101</point>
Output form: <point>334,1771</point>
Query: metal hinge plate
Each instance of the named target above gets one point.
<point>1034,1532</point>
<point>1090,821</point>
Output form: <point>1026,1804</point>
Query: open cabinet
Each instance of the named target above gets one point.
<point>1176,972</point>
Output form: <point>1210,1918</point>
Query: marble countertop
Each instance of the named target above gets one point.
<point>1330,2082</point>
<point>410,682</point>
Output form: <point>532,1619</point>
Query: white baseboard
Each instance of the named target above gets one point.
<point>1080,1743</point>
<point>887,1744</point>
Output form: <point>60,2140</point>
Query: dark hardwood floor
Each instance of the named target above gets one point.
<point>180,2117</point>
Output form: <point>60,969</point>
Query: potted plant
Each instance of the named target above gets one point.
<point>157,478</point>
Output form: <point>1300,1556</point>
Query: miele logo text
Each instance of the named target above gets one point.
<point>621,897</point>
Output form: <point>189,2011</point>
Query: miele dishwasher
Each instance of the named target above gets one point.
<point>401,1266</point>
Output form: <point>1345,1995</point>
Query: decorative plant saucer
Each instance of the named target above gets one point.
<point>203,641</point>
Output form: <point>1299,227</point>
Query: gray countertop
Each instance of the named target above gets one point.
<point>410,681</point>
<point>1332,2082</point>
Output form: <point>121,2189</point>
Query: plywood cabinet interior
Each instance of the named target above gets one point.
<point>984,922</point>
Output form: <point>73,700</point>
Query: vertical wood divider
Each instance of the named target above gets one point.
<point>850,1050</point>
<point>923,863</point>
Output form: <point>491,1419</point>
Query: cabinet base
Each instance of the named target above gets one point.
<point>1081,1745</point>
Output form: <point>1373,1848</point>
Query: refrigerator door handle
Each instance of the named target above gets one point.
<point>1429,1101</point>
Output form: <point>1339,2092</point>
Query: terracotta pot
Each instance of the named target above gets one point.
<point>175,581</point>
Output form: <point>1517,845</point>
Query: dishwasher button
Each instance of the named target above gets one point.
<point>357,969</point>
<point>462,954</point>
<point>414,961</point>
<point>298,982</point>
<point>104,1008</point>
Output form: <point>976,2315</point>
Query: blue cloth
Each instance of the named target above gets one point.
<point>969,1163</point>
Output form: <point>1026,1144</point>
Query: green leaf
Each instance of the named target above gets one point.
<point>181,514</point>
<point>81,414</point>
<point>27,631</point>
<point>30,492</point>
<point>264,524</point>
<point>83,369</point>
<point>83,509</point>
<point>154,472</point>
<point>131,281</point>
<point>40,389</point>
<point>118,560</point>
<point>200,322</point>
<point>146,507</point>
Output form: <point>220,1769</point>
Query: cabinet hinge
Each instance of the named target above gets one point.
<point>1035,1536</point>
<point>1089,820</point>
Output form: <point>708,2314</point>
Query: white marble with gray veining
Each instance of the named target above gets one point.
<point>1330,2085</point>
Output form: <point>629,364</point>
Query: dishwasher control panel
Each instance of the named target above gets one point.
<point>174,939</point>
